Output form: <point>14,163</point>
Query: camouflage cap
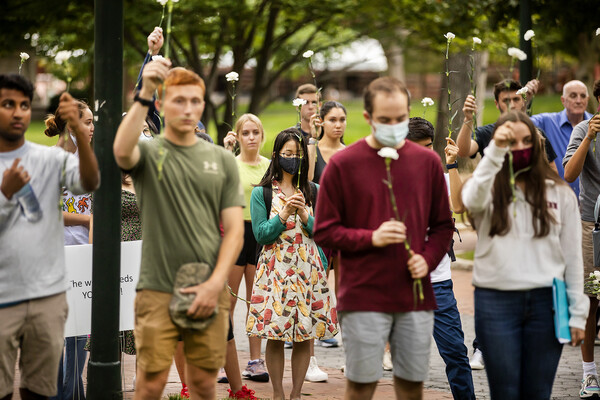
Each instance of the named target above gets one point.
<point>190,274</point>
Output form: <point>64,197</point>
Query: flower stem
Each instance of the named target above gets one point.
<point>449,91</point>
<point>417,284</point>
<point>169,13</point>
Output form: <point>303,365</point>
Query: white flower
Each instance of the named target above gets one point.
<point>175,1</point>
<point>427,101</point>
<point>595,281</point>
<point>24,56</point>
<point>78,52</point>
<point>597,31</point>
<point>476,40</point>
<point>449,36</point>
<point>597,274</point>
<point>162,2</point>
<point>523,91</point>
<point>308,54</point>
<point>298,102</point>
<point>156,58</point>
<point>232,77</point>
<point>517,53</point>
<point>591,275</point>
<point>528,35</point>
<point>388,152</point>
<point>62,56</point>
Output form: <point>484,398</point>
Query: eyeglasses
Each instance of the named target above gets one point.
<point>289,155</point>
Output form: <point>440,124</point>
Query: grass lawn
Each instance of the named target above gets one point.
<point>280,115</point>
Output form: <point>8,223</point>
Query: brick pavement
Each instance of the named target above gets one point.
<point>566,384</point>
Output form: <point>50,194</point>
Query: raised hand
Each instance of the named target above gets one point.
<point>13,179</point>
<point>155,41</point>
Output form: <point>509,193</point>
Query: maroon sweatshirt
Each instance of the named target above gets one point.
<point>354,201</point>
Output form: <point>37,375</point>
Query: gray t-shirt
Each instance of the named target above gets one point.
<point>589,180</point>
<point>32,256</point>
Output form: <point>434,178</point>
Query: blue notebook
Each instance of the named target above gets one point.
<point>561,311</point>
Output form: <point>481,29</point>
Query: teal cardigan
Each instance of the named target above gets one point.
<point>266,231</point>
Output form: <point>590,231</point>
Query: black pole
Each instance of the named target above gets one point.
<point>525,67</point>
<point>104,368</point>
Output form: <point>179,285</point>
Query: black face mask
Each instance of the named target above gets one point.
<point>289,165</point>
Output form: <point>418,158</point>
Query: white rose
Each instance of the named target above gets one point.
<point>162,2</point>
<point>523,91</point>
<point>595,281</point>
<point>476,40</point>
<point>232,77</point>
<point>308,54</point>
<point>517,53</point>
<point>528,35</point>
<point>388,152</point>
<point>597,274</point>
<point>62,56</point>
<point>449,36</point>
<point>427,101</point>
<point>298,102</point>
<point>24,56</point>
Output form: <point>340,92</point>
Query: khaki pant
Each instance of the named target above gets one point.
<point>156,335</point>
<point>36,327</point>
<point>587,247</point>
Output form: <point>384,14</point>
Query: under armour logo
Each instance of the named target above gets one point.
<point>210,167</point>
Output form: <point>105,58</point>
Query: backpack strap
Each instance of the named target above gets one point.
<point>268,198</point>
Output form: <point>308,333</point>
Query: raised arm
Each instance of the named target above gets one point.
<point>575,160</point>
<point>88,165</point>
<point>466,145</point>
<point>456,204</point>
<point>127,153</point>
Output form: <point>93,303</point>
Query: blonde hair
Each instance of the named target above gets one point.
<point>250,118</point>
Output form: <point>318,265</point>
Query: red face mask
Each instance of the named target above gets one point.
<point>521,158</point>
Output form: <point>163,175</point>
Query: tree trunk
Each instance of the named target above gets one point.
<point>394,53</point>
<point>460,87</point>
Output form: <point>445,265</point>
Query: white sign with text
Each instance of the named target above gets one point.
<point>79,294</point>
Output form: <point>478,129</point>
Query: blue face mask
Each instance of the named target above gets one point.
<point>390,135</point>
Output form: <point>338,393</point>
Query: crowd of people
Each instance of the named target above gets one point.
<point>378,212</point>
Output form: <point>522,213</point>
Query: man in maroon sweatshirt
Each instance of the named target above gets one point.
<point>378,296</point>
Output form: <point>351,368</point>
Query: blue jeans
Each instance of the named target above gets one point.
<point>516,333</point>
<point>70,381</point>
<point>450,341</point>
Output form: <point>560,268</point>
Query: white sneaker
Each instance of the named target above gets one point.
<point>314,373</point>
<point>477,360</point>
<point>387,361</point>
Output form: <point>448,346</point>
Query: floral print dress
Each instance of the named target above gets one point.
<point>291,300</point>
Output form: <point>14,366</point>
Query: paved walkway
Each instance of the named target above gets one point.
<point>566,385</point>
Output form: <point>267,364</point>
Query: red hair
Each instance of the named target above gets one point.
<point>179,76</point>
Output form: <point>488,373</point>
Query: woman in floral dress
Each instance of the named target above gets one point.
<point>290,299</point>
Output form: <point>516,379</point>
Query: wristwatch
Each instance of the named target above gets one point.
<point>144,102</point>
<point>452,166</point>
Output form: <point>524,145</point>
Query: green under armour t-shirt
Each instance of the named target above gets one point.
<point>181,211</point>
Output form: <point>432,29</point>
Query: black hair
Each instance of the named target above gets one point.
<point>596,91</point>
<point>419,129</point>
<point>506,85</point>
<point>275,171</point>
<point>17,82</point>
<point>325,108</point>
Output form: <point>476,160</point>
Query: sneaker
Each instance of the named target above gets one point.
<point>222,377</point>
<point>243,393</point>
<point>314,373</point>
<point>184,392</point>
<point>288,345</point>
<point>328,343</point>
<point>477,360</point>
<point>589,388</point>
<point>256,371</point>
<point>387,361</point>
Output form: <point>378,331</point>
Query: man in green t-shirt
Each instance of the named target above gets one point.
<point>185,188</point>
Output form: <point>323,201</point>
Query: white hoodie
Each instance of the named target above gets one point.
<point>518,260</point>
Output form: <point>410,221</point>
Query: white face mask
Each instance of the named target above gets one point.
<point>390,135</point>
